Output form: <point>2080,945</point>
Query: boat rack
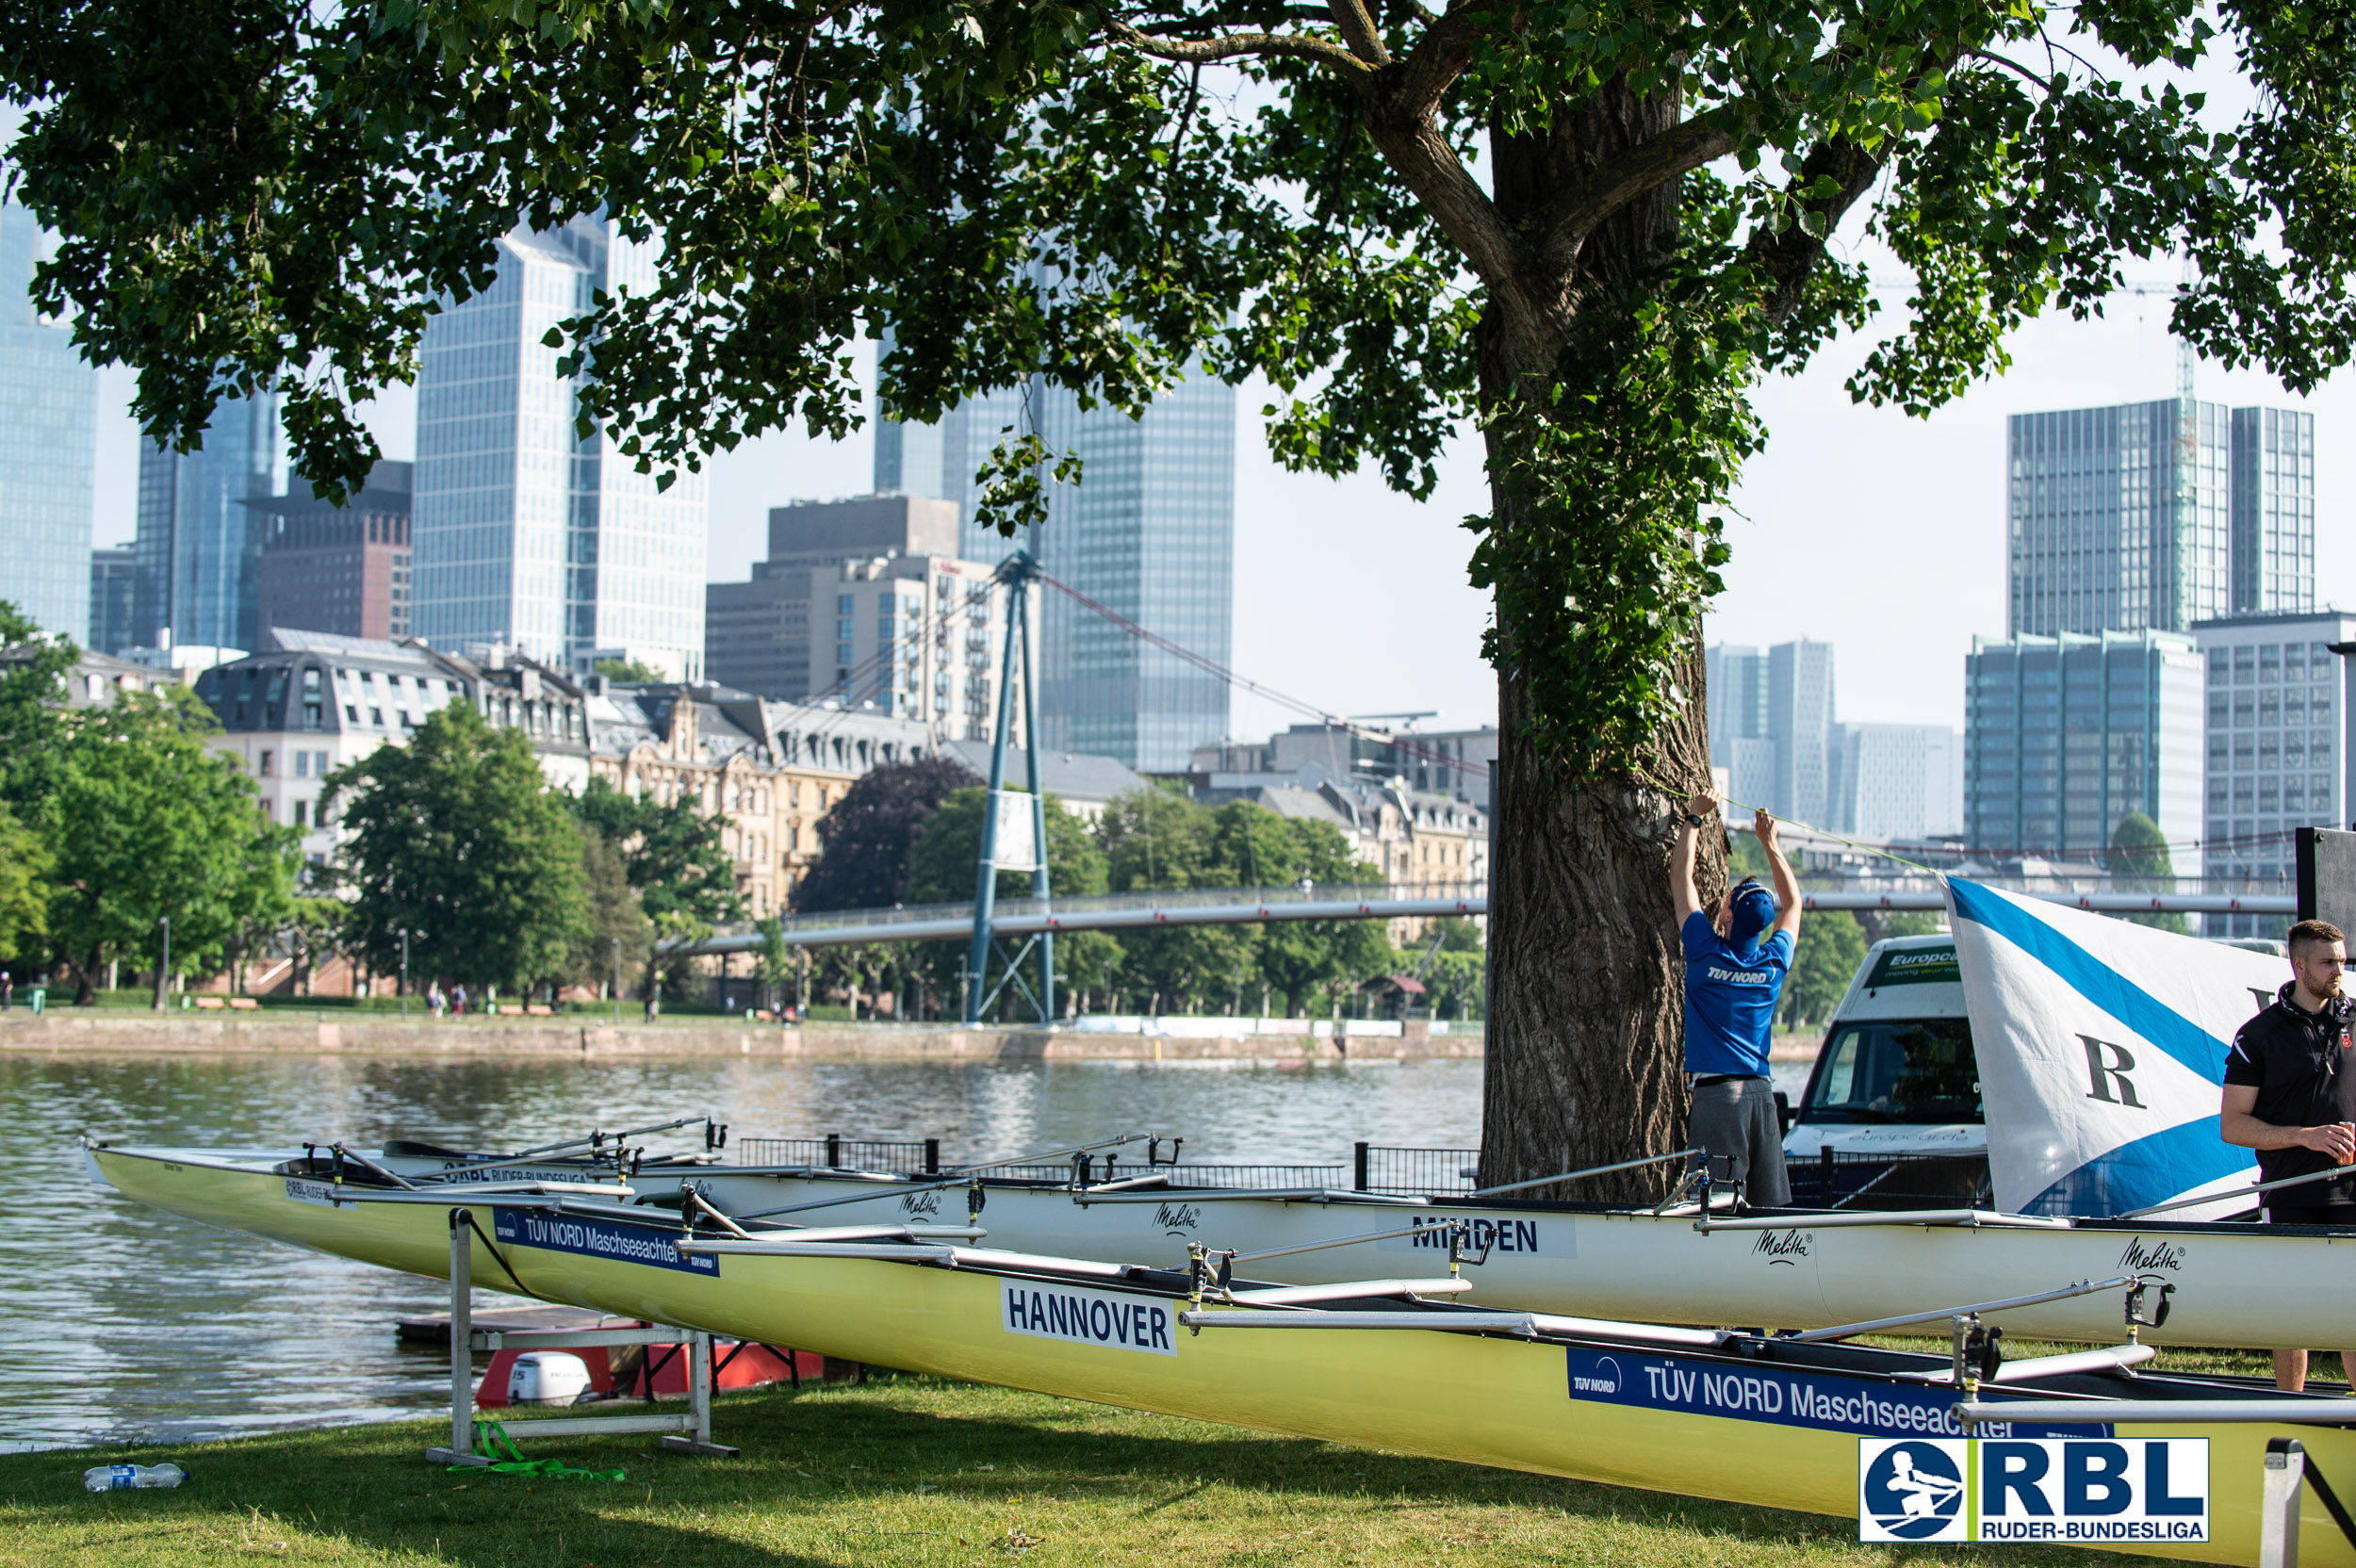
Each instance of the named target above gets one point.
<point>687,1431</point>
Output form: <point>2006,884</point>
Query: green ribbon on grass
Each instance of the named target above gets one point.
<point>491,1438</point>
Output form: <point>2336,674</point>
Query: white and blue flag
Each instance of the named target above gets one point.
<point>2101,1053</point>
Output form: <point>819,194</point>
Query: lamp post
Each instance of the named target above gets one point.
<point>617,981</point>
<point>163,965</point>
<point>404,972</point>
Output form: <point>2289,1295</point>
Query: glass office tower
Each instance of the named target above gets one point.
<point>199,550</point>
<point>48,448</point>
<point>525,534</point>
<point>1149,532</point>
<point>2064,735</point>
<point>2158,515</point>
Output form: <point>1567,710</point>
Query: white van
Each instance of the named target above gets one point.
<point>1891,1115</point>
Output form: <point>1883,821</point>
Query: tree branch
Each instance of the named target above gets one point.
<point>1237,45</point>
<point>1439,57</point>
<point>2023,71</point>
<point>1358,31</point>
<point>1612,186</point>
<point>1789,257</point>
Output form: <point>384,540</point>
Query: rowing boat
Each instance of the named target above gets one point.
<point>1740,1417</point>
<point>1786,1269</point>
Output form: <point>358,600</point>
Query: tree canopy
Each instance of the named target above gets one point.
<point>870,834</point>
<point>145,821</point>
<point>1402,216</point>
<point>457,837</point>
<point>671,853</point>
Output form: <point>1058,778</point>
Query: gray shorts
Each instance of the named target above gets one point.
<point>1734,1122</point>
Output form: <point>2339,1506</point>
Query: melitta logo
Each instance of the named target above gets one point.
<point>2080,1491</point>
<point>921,1202</point>
<point>1177,1217</point>
<point>2141,1255</point>
<point>1783,1246</point>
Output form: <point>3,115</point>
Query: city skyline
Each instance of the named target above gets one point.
<point>1876,558</point>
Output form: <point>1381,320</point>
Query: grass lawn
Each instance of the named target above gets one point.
<point>900,1470</point>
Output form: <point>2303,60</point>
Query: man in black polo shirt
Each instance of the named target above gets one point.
<point>2290,1094</point>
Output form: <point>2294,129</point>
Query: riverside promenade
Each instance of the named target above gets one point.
<point>291,1032</point>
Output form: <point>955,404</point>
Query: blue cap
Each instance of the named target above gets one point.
<point>1755,910</point>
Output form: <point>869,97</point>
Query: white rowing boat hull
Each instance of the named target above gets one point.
<point>2240,1285</point>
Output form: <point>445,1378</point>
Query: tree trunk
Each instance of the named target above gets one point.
<point>1584,1053</point>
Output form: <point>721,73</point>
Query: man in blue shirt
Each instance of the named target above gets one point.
<point>1738,953</point>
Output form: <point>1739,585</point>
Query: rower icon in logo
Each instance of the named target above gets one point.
<point>1913,1491</point>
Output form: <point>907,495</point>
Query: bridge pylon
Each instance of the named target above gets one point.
<point>1014,827</point>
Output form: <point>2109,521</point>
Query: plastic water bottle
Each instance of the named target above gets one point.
<point>123,1478</point>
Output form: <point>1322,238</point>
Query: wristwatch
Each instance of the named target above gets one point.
<point>1696,819</point>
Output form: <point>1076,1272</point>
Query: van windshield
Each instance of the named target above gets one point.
<point>1918,1070</point>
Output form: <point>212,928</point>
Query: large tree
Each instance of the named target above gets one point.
<point>672,854</point>
<point>146,823</point>
<point>458,838</point>
<point>1592,224</point>
<point>872,831</point>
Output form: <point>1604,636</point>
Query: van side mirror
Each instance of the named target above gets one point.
<point>1785,1116</point>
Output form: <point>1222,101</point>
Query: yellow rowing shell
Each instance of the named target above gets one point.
<point>1789,1438</point>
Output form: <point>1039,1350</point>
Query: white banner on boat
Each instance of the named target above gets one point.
<point>2102,1051</point>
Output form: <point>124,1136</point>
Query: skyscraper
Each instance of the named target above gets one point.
<point>199,542</point>
<point>525,533</point>
<point>1771,724</point>
<point>2064,735</point>
<point>2158,515</point>
<point>113,600</point>
<point>341,569</point>
<point>2278,749</point>
<point>1898,781</point>
<point>1149,533</point>
<point>48,447</point>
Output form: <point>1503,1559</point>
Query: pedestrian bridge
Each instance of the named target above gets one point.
<point>1024,916</point>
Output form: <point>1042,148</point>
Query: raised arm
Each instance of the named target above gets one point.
<point>1681,892</point>
<point>1787,885</point>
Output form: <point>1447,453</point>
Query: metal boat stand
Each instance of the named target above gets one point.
<point>687,1431</point>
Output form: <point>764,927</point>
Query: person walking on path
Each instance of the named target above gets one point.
<point>1738,953</point>
<point>2290,1094</point>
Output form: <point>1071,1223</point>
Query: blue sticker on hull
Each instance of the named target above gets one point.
<point>597,1238</point>
<point>1783,1396</point>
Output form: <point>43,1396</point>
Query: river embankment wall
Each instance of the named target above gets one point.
<point>64,1031</point>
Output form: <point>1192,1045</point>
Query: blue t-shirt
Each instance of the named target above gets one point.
<point>1731,999</point>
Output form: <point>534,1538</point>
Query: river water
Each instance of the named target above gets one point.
<point>129,1322</point>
